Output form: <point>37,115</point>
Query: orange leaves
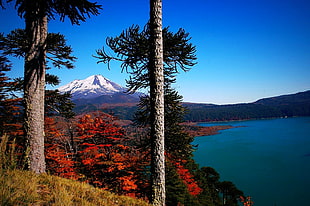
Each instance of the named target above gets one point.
<point>10,117</point>
<point>104,145</point>
<point>104,156</point>
<point>87,144</point>
<point>90,149</point>
<point>123,147</point>
<point>247,201</point>
<point>88,162</point>
<point>188,179</point>
<point>128,183</point>
<point>98,153</point>
<point>101,126</point>
<point>15,129</point>
<point>50,128</point>
<point>59,162</point>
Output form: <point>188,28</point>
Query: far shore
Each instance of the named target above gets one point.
<point>240,120</point>
<point>197,131</point>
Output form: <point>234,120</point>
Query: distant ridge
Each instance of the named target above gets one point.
<point>299,97</point>
<point>280,106</point>
<point>124,106</point>
<point>99,93</point>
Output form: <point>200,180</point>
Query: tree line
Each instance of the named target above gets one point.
<point>277,107</point>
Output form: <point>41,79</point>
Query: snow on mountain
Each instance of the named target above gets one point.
<point>91,87</point>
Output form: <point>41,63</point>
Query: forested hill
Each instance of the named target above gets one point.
<point>281,106</point>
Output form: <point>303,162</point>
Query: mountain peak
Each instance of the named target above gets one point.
<point>91,87</point>
<point>96,80</point>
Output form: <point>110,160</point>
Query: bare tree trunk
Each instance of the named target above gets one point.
<point>157,104</point>
<point>34,84</point>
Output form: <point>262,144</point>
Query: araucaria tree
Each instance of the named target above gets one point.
<point>156,72</point>
<point>132,48</point>
<point>36,14</point>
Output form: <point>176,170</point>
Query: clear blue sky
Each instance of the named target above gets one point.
<point>246,49</point>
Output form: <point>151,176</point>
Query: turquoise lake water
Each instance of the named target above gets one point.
<point>266,159</point>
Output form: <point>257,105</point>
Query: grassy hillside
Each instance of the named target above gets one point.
<point>25,188</point>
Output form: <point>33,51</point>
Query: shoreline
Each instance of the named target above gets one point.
<point>241,120</point>
<point>195,130</point>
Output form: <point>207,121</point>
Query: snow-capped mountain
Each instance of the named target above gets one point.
<point>91,87</point>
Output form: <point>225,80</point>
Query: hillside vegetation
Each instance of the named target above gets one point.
<point>281,106</point>
<point>18,187</point>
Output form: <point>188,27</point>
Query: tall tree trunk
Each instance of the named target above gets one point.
<point>157,104</point>
<point>34,83</point>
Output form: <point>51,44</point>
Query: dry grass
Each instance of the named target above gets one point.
<point>19,187</point>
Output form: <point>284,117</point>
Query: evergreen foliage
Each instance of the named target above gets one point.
<point>77,11</point>
<point>10,107</point>
<point>59,104</point>
<point>176,192</point>
<point>58,52</point>
<point>131,48</point>
<point>5,66</point>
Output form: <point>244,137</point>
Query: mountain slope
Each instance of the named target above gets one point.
<point>281,106</point>
<point>91,87</point>
<point>300,97</point>
<point>99,93</point>
<point>120,104</point>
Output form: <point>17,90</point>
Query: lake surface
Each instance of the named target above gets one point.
<point>268,160</point>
